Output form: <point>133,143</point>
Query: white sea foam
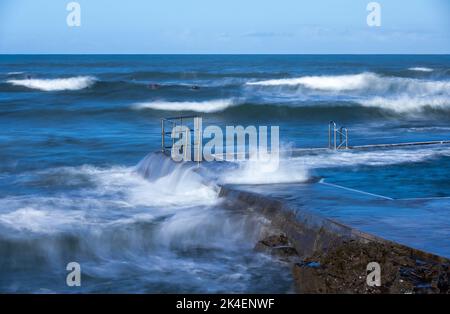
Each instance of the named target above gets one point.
<point>326,82</point>
<point>107,196</point>
<point>405,103</point>
<point>421,69</point>
<point>153,182</point>
<point>297,169</point>
<point>208,228</point>
<point>124,213</point>
<point>258,172</point>
<point>363,82</point>
<point>59,84</point>
<point>40,220</point>
<point>368,158</point>
<point>136,219</point>
<point>265,169</point>
<point>371,90</point>
<point>398,94</point>
<point>197,106</point>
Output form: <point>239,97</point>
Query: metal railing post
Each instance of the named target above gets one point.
<point>334,131</point>
<point>200,140</point>
<point>186,145</point>
<point>197,139</point>
<point>174,125</point>
<point>189,147</point>
<point>333,138</point>
<point>163,135</point>
<point>329,135</point>
<point>346,138</point>
<point>332,124</point>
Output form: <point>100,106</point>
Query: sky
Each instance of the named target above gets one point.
<point>225,26</point>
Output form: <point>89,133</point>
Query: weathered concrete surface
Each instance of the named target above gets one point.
<point>332,257</point>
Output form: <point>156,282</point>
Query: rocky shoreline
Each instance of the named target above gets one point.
<point>342,269</point>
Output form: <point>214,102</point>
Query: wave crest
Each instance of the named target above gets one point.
<point>421,69</point>
<point>406,103</point>
<point>325,83</point>
<point>368,89</point>
<point>197,106</point>
<point>363,82</point>
<point>60,84</point>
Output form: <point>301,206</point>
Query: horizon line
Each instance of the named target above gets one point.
<point>225,54</point>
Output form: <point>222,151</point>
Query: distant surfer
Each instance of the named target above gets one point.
<point>154,86</point>
<point>195,87</point>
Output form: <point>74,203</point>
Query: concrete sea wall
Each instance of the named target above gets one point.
<point>331,257</point>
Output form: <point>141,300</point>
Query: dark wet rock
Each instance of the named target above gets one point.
<point>343,270</point>
<point>277,245</point>
<point>274,241</point>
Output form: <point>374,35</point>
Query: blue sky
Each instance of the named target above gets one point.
<point>224,26</point>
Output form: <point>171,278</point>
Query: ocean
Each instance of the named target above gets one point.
<point>80,180</point>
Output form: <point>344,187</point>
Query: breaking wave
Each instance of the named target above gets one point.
<point>325,83</point>
<point>397,94</point>
<point>364,82</point>
<point>265,169</point>
<point>200,106</point>
<point>421,69</point>
<point>301,169</point>
<point>405,103</point>
<point>60,84</point>
<point>262,172</point>
<point>156,219</point>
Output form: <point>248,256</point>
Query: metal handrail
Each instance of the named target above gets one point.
<point>175,121</point>
<point>180,117</point>
<point>333,132</point>
<point>330,124</point>
<point>343,137</point>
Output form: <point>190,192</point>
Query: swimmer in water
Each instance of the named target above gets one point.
<point>154,86</point>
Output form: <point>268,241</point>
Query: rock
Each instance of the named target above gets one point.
<point>274,241</point>
<point>277,245</point>
<point>342,269</point>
